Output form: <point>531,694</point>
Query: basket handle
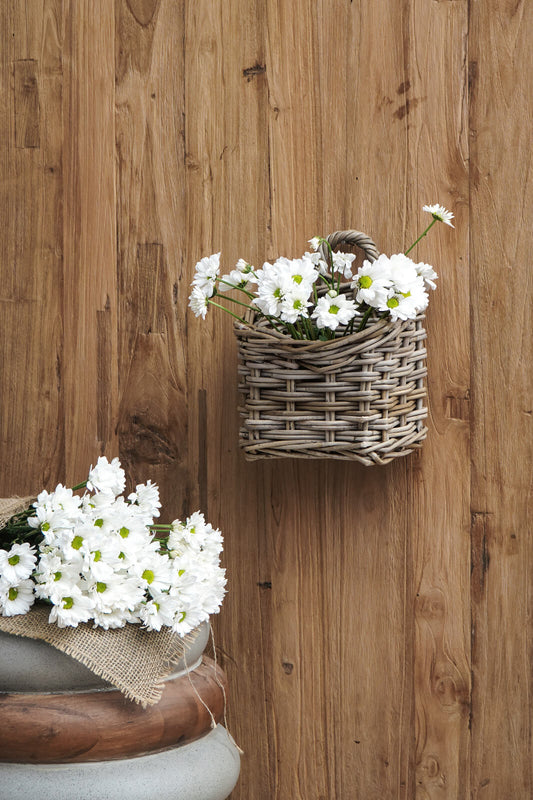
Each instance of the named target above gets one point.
<point>361,240</point>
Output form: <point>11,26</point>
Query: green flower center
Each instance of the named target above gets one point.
<point>365,281</point>
<point>148,575</point>
<point>101,586</point>
<point>98,523</point>
<point>77,542</point>
<point>277,293</point>
<point>45,526</point>
<point>393,302</point>
<point>182,616</point>
<point>297,305</point>
<point>57,576</point>
<point>97,555</point>
<point>334,309</point>
<point>13,593</point>
<point>124,532</point>
<point>13,560</point>
<point>68,602</point>
<point>297,278</point>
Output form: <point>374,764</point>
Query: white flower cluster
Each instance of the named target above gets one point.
<point>395,285</point>
<point>288,295</point>
<point>98,560</point>
<point>16,586</point>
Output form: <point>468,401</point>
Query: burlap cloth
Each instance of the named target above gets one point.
<point>9,506</point>
<point>134,660</point>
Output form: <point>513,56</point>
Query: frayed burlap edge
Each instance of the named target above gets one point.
<point>9,506</point>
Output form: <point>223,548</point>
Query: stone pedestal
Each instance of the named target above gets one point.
<point>67,735</point>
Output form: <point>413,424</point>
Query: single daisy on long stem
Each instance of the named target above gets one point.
<point>439,214</point>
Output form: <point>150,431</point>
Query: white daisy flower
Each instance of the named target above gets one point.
<point>405,305</point>
<point>319,263</point>
<point>242,274</point>
<point>160,610</point>
<point>402,272</point>
<point>271,289</point>
<point>315,243</point>
<point>71,609</point>
<point>300,271</point>
<point>115,618</point>
<point>55,577</point>
<point>118,592</point>
<point>73,545</point>
<point>17,563</point>
<point>372,281</point>
<point>295,304</point>
<point>154,572</point>
<point>146,497</point>
<point>65,500</point>
<point>107,477</point>
<point>198,302</point>
<point>440,213</point>
<point>181,624</point>
<point>233,280</point>
<point>206,274</point>
<point>58,510</point>
<point>428,274</point>
<point>342,262</point>
<point>247,270</point>
<point>17,599</point>
<point>101,563</point>
<point>333,310</point>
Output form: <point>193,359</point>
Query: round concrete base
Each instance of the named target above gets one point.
<point>206,769</point>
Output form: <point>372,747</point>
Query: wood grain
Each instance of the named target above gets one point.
<point>32,433</point>
<point>73,727</point>
<point>27,110</point>
<point>501,129</point>
<point>376,633</point>
<point>89,233</point>
<point>153,411</point>
<point>436,111</point>
<point>228,180</point>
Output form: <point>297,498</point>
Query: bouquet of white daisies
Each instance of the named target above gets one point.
<point>306,298</point>
<point>99,557</point>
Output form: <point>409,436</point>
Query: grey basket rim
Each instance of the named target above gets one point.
<point>352,238</point>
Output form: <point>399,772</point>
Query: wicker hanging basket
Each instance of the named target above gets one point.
<point>359,397</point>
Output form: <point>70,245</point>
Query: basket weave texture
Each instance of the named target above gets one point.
<point>359,397</point>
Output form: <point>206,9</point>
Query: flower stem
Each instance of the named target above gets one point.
<point>433,221</point>
<point>349,328</point>
<point>217,305</point>
<point>366,315</point>
<point>294,333</point>
<point>330,254</point>
<point>329,284</point>
<point>239,302</point>
<point>310,328</point>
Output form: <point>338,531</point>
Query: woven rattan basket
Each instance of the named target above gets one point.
<point>360,397</point>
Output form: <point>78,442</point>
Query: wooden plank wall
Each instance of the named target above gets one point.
<point>377,629</point>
